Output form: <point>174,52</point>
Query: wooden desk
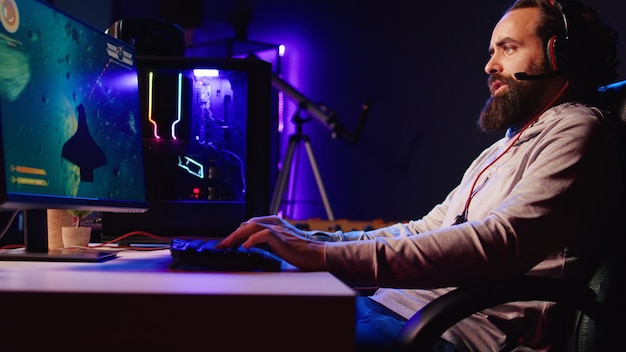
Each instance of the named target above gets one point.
<point>135,302</point>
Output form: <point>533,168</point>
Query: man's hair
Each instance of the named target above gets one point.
<point>589,54</point>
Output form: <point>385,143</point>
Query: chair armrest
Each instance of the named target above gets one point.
<point>423,328</point>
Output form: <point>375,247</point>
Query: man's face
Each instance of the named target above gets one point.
<point>515,47</point>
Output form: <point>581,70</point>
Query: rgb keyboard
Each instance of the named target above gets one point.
<point>202,254</point>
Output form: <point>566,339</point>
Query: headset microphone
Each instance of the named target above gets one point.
<point>523,76</point>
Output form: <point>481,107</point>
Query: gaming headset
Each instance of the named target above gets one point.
<point>557,51</point>
<point>557,46</point>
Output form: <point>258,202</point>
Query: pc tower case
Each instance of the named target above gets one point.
<point>207,129</point>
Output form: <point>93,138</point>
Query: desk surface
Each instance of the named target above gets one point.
<point>244,309</point>
<point>149,272</point>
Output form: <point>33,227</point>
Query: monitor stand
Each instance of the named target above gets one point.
<point>36,244</point>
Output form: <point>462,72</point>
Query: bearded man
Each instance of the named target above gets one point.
<point>540,201</point>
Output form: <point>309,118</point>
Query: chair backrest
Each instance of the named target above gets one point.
<point>609,280</point>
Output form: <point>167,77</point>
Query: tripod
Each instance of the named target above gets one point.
<point>283,176</point>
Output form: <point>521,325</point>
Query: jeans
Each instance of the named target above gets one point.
<point>377,328</point>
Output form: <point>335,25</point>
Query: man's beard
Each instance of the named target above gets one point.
<point>512,108</point>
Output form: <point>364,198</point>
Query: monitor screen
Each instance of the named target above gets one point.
<point>70,131</point>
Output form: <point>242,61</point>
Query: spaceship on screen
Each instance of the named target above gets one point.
<point>82,150</point>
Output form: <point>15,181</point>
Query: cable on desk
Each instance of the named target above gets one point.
<point>109,244</point>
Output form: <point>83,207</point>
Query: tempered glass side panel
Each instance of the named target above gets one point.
<point>206,128</point>
<point>196,131</point>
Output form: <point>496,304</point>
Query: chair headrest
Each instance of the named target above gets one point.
<point>612,97</point>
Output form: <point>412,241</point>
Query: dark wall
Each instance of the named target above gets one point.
<point>422,67</point>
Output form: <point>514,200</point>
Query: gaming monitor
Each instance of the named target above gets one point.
<point>70,130</point>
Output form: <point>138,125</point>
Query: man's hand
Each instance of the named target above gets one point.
<point>284,239</point>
